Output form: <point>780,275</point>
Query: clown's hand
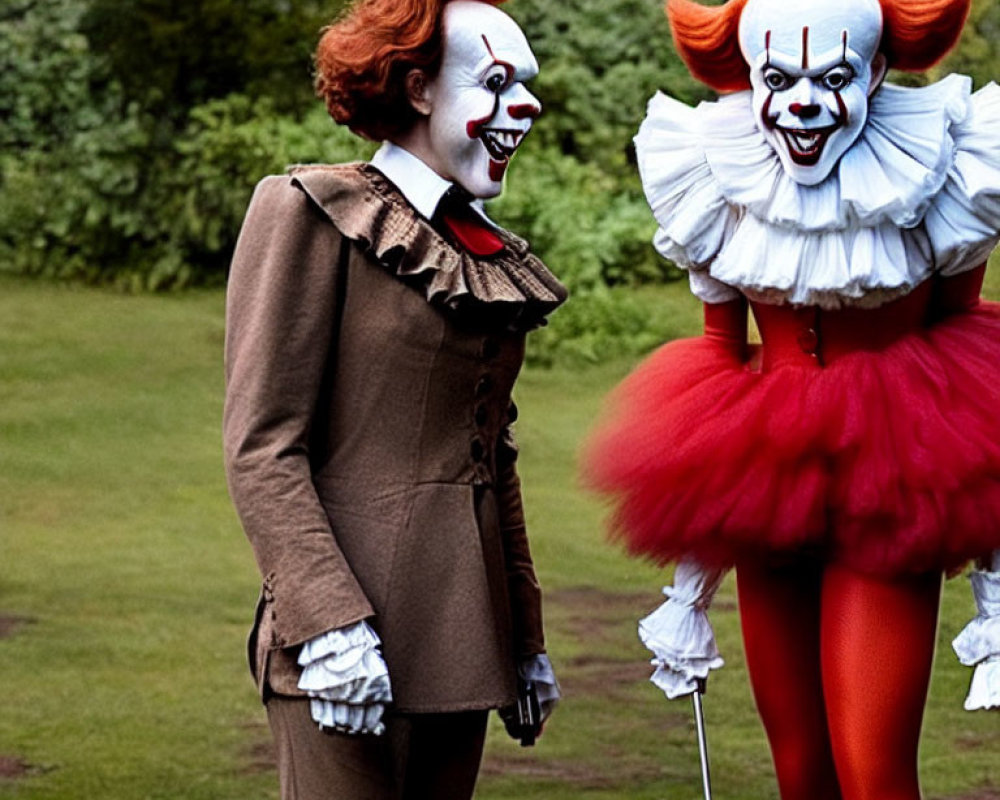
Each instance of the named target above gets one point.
<point>679,633</point>
<point>347,680</point>
<point>538,694</point>
<point>978,645</point>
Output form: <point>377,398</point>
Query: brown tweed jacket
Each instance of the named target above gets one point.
<point>369,366</point>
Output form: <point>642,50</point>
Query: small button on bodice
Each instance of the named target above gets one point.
<point>790,335</point>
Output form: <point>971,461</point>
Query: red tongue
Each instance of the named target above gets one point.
<point>475,236</point>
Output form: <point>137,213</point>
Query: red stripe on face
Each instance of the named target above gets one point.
<point>508,67</point>
<point>765,114</point>
<point>524,111</point>
<point>474,127</point>
<point>844,117</point>
<point>805,48</point>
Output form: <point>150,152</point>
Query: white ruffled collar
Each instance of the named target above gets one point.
<point>908,198</point>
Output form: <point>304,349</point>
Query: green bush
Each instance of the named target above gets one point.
<point>591,227</point>
<point>595,326</point>
<point>227,147</point>
<point>104,208</point>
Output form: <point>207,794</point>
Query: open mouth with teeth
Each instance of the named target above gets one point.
<point>806,146</point>
<point>501,143</point>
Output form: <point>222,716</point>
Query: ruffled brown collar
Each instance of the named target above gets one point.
<point>367,208</point>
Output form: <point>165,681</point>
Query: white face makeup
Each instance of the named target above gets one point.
<point>811,73</point>
<point>480,108</point>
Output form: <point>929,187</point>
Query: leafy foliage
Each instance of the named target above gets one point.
<point>45,72</point>
<point>978,51</point>
<point>128,158</point>
<point>171,57</point>
<point>106,208</point>
<point>601,62</point>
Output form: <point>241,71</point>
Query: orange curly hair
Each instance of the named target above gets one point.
<point>916,35</point>
<point>363,58</point>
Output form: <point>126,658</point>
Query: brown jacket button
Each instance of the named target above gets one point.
<point>478,450</point>
<point>482,416</point>
<point>485,386</point>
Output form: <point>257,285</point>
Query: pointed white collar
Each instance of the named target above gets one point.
<point>420,184</point>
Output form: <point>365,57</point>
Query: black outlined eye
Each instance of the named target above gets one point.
<point>838,78</point>
<point>496,79</point>
<point>776,80</point>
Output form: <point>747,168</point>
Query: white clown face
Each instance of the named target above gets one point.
<point>812,75</point>
<point>480,108</point>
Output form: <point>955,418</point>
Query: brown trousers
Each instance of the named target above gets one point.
<point>419,757</point>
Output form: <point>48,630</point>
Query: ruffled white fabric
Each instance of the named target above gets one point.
<point>679,633</point>
<point>346,677</point>
<point>978,645</point>
<point>918,192</point>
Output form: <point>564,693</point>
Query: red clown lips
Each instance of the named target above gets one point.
<point>805,146</point>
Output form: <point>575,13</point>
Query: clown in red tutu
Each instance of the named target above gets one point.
<point>853,457</point>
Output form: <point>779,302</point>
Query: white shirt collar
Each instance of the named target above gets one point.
<point>421,185</point>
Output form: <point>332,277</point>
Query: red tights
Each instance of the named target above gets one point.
<point>840,664</point>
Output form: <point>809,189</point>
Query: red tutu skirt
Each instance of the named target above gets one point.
<point>869,443</point>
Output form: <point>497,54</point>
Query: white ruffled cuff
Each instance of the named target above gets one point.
<point>358,636</point>
<point>348,718</point>
<point>347,678</point>
<point>984,691</point>
<point>538,670</point>
<point>978,645</point>
<point>709,289</point>
<point>679,633</point>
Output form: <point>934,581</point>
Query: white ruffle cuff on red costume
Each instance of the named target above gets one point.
<point>978,645</point>
<point>919,192</point>
<point>679,633</point>
<point>346,677</point>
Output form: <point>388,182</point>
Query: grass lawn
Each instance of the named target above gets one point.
<point>127,587</point>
